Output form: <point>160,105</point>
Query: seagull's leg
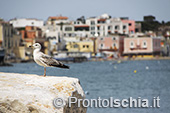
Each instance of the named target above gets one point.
<point>44,71</point>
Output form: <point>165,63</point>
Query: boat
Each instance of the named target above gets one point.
<point>72,56</point>
<point>2,55</point>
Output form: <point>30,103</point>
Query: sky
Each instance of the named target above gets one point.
<point>42,9</point>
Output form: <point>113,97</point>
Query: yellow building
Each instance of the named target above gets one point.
<point>29,51</point>
<point>1,35</point>
<point>81,46</point>
<point>9,39</point>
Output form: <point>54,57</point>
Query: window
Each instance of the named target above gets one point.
<point>130,24</point>
<point>101,38</point>
<point>116,27</point>
<point>124,27</point>
<point>81,28</point>
<point>68,29</point>
<point>136,29</point>
<point>101,45</point>
<point>92,28</point>
<point>101,22</point>
<point>76,46</point>
<point>53,37</point>
<point>131,44</point>
<point>73,35</point>
<point>109,27</point>
<point>98,28</point>
<point>84,46</point>
<point>5,33</point>
<point>92,33</point>
<point>114,44</point>
<point>144,44</point>
<point>92,22</point>
<point>87,46</point>
<point>69,34</point>
<point>113,38</point>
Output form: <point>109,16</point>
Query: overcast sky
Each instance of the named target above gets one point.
<point>42,9</point>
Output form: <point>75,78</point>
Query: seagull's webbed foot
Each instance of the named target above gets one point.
<point>41,75</point>
<point>44,72</point>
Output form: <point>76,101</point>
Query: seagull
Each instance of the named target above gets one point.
<point>45,60</point>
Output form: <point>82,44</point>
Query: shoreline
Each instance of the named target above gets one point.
<point>130,59</point>
<point>9,63</point>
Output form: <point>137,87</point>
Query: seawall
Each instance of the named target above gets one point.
<point>25,93</point>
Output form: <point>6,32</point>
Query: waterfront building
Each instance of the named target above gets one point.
<point>111,46</point>
<point>81,46</point>
<point>142,47</point>
<point>10,40</point>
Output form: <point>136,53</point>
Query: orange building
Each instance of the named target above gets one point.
<point>51,19</point>
<point>30,33</point>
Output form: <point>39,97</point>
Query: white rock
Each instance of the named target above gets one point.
<point>35,94</point>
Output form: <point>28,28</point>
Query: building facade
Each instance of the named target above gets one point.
<point>142,46</point>
<point>9,40</point>
<point>81,46</point>
<point>104,25</point>
<point>112,45</point>
<point>23,22</point>
<point>131,25</point>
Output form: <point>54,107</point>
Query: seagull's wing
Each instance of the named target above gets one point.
<point>49,61</point>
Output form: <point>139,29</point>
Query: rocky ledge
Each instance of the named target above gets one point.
<point>23,93</point>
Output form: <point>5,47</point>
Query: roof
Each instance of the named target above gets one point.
<point>101,19</point>
<point>81,26</point>
<point>25,19</point>
<point>58,17</point>
<point>4,22</point>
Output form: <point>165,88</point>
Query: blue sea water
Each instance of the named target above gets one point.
<point>107,79</point>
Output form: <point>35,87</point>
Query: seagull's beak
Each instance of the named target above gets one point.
<point>30,46</point>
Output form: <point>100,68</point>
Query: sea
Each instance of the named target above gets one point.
<point>140,80</point>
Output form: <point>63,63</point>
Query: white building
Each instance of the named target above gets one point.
<point>104,25</point>
<point>59,29</point>
<point>23,22</point>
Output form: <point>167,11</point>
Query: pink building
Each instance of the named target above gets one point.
<point>142,46</point>
<point>111,45</point>
<point>131,25</point>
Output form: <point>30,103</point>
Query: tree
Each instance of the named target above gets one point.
<point>1,19</point>
<point>168,23</point>
<point>150,26</point>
